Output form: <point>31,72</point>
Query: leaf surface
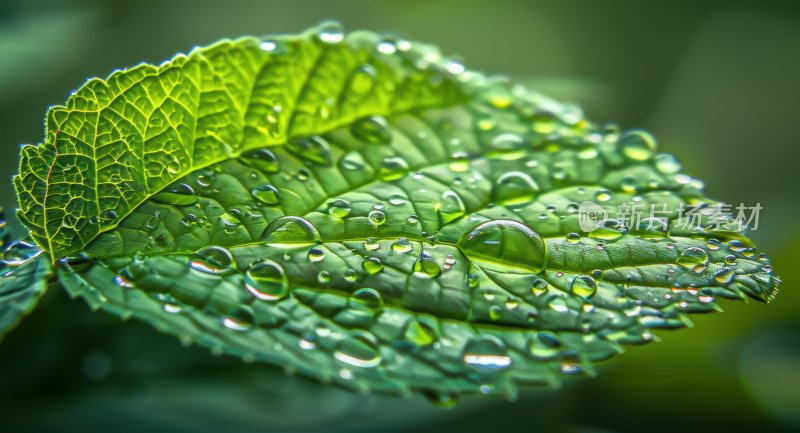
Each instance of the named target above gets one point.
<point>23,278</point>
<point>433,243</point>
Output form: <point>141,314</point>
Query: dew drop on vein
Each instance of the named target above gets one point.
<point>508,242</point>
<point>486,353</point>
<point>266,280</point>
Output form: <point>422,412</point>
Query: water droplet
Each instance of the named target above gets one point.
<point>459,162</point>
<point>450,207</point>
<point>372,129</point>
<point>330,32</point>
<point>514,188</point>
<point>736,246</point>
<point>154,221</point>
<point>19,252</point>
<point>372,265</point>
<point>122,281</point>
<point>653,227</point>
<point>401,246</point>
<point>426,267</point>
<point>609,230</point>
<point>170,304</point>
<point>264,160</point>
<point>472,280</point>
<point>495,312</point>
<point>544,344</point>
<point>571,368</point>
<point>377,217</point>
<point>419,334</point>
<point>602,195</point>
<point>507,241</point>
<point>266,194</point>
<point>316,255</point>
<point>507,141</point>
<point>486,353</point>
<point>266,280</point>
<point>694,258</point>
<point>314,148</point>
<point>290,229</point>
<point>241,318</point>
<point>339,208</point>
<point>573,238</point>
<point>583,286</point>
<point>369,298</point>
<point>443,400</point>
<point>363,79</point>
<point>324,277</point>
<point>393,168</point>
<point>667,164</point>
<point>212,260</point>
<point>539,287</point>
<point>386,47</point>
<point>637,145</point>
<point>268,45</point>
<point>107,217</point>
<point>724,275</point>
<point>358,351</point>
<point>705,295</point>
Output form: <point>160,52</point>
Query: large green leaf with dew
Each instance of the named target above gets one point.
<point>357,209</point>
<point>23,278</point>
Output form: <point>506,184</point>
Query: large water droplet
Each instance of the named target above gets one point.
<point>419,334</point>
<point>314,148</point>
<point>363,79</point>
<point>486,353</point>
<point>372,129</point>
<point>401,246</point>
<point>509,242</point>
<point>583,286</point>
<point>339,208</point>
<point>290,229</point>
<point>393,168</point>
<point>637,145</point>
<point>609,230</point>
<point>694,258</point>
<point>369,298</point>
<point>358,351</point>
<point>450,207</point>
<point>330,32</point>
<point>19,252</point>
<point>266,194</point>
<point>514,188</point>
<point>667,164</point>
<point>460,162</point>
<point>724,275</point>
<point>544,344</point>
<point>241,318</point>
<point>264,160</point>
<point>372,265</point>
<point>212,260</point>
<point>426,267</point>
<point>377,217</point>
<point>266,280</point>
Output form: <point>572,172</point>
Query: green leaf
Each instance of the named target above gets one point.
<point>431,244</point>
<point>118,141</point>
<point>23,278</point>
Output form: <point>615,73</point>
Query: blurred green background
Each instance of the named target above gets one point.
<point>716,81</point>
